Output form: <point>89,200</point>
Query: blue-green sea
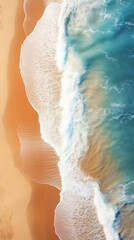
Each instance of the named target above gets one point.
<point>101,35</point>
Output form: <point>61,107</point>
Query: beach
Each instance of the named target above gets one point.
<point>22,199</point>
<point>67,119</point>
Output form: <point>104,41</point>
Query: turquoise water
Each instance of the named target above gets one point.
<point>101,35</point>
<point>79,76</point>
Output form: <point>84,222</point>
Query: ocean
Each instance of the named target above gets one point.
<point>77,66</point>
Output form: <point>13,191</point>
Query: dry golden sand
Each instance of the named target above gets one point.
<point>14,188</point>
<point>27,207</point>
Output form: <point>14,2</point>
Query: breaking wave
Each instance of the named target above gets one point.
<point>77,67</point>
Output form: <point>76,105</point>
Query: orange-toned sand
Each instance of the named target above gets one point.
<point>27,207</point>
<point>33,11</point>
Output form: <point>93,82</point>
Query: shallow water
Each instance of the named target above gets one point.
<point>85,108</point>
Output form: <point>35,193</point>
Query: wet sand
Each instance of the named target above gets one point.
<point>33,11</point>
<point>24,201</point>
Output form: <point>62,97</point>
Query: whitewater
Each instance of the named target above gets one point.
<point>76,77</point>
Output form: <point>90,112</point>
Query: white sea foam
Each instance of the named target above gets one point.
<point>76,217</point>
<point>65,119</point>
<point>106,215</point>
<point>41,76</point>
<point>75,118</point>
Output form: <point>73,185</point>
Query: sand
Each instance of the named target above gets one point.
<point>27,207</point>
<point>15,190</point>
<point>33,11</point>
